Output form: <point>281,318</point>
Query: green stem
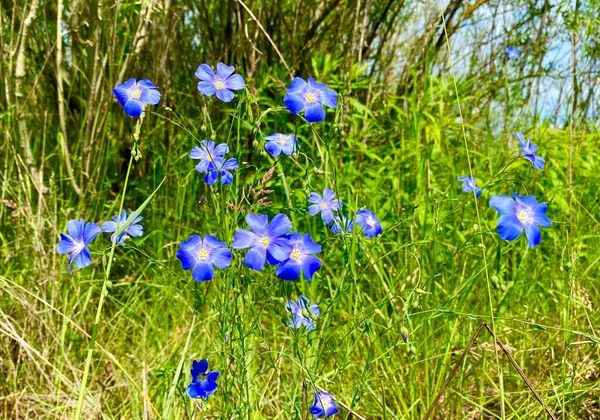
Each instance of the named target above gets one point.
<point>104,293</point>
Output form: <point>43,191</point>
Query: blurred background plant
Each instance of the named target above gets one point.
<point>412,76</point>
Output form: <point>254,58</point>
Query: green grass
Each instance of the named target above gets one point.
<point>438,271</point>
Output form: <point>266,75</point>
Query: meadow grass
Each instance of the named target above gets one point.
<point>397,311</point>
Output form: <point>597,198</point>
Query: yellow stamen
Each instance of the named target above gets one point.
<point>203,254</point>
<point>219,84</point>
<point>264,241</point>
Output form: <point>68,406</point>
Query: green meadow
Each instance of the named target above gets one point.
<point>426,92</point>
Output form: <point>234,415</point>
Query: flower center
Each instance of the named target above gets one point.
<point>78,247</point>
<point>525,216</point>
<point>282,140</point>
<point>136,94</point>
<point>297,254</point>
<point>311,97</point>
<point>324,206</point>
<point>264,240</point>
<point>370,221</point>
<point>219,84</point>
<point>203,254</point>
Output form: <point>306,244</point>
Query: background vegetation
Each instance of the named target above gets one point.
<point>425,92</point>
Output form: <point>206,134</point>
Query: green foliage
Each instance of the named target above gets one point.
<point>411,118</point>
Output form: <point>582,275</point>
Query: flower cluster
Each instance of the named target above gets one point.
<point>213,163</point>
<point>327,204</point>
<point>82,234</point>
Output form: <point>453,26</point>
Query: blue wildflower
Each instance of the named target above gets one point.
<point>266,241</point>
<point>302,314</point>
<point>301,258</point>
<point>324,405</point>
<point>326,205</point>
<point>134,229</point>
<point>309,97</point>
<point>470,185</point>
<point>341,224</point>
<point>512,53</point>
<point>132,96</point>
<point>204,383</point>
<point>221,83</point>
<point>278,143</point>
<point>81,234</point>
<point>523,213</point>
<point>529,149</point>
<point>201,255</point>
<point>221,168</point>
<point>208,154</point>
<point>370,223</point>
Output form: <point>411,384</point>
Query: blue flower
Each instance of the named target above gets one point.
<point>326,205</point>
<point>222,168</point>
<point>324,405</point>
<point>81,234</point>
<point>302,314</point>
<point>278,143</point>
<point>309,97</point>
<point>529,149</point>
<point>266,241</point>
<point>301,258</point>
<point>341,224</point>
<point>470,185</point>
<point>370,223</point>
<point>132,96</point>
<point>523,214</point>
<point>204,383</point>
<point>201,255</point>
<point>221,83</point>
<point>208,154</point>
<point>512,53</point>
<point>132,230</point>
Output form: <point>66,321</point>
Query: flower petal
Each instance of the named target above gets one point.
<point>255,258</point>
<point>207,88</point>
<point>134,108</point>
<point>150,96</point>
<point>330,98</point>
<point>65,245</point>
<point>279,225</point>
<point>503,204</point>
<point>294,103</point>
<point>224,71</point>
<point>257,222</point>
<point>509,227</point>
<point>243,239</point>
<point>187,258</point>
<point>204,72</point>
<point>203,271</point>
<point>221,257</point>
<point>290,270</point>
<point>534,235</point>
<point>310,265</point>
<point>225,95</point>
<point>314,112</point>
<point>235,82</point>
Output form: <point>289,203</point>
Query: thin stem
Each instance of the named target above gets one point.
<point>104,293</point>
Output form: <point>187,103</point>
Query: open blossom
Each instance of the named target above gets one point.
<point>222,83</point>
<point>469,184</point>
<point>202,255</point>
<point>278,143</point>
<point>133,95</point>
<point>134,229</point>
<point>522,213</point>
<point>208,154</point>
<point>301,258</point>
<point>310,97</point>
<point>204,383</point>
<point>325,205</point>
<point>370,224</point>
<point>81,234</point>
<point>528,149</point>
<point>324,405</point>
<point>302,313</point>
<point>267,241</point>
